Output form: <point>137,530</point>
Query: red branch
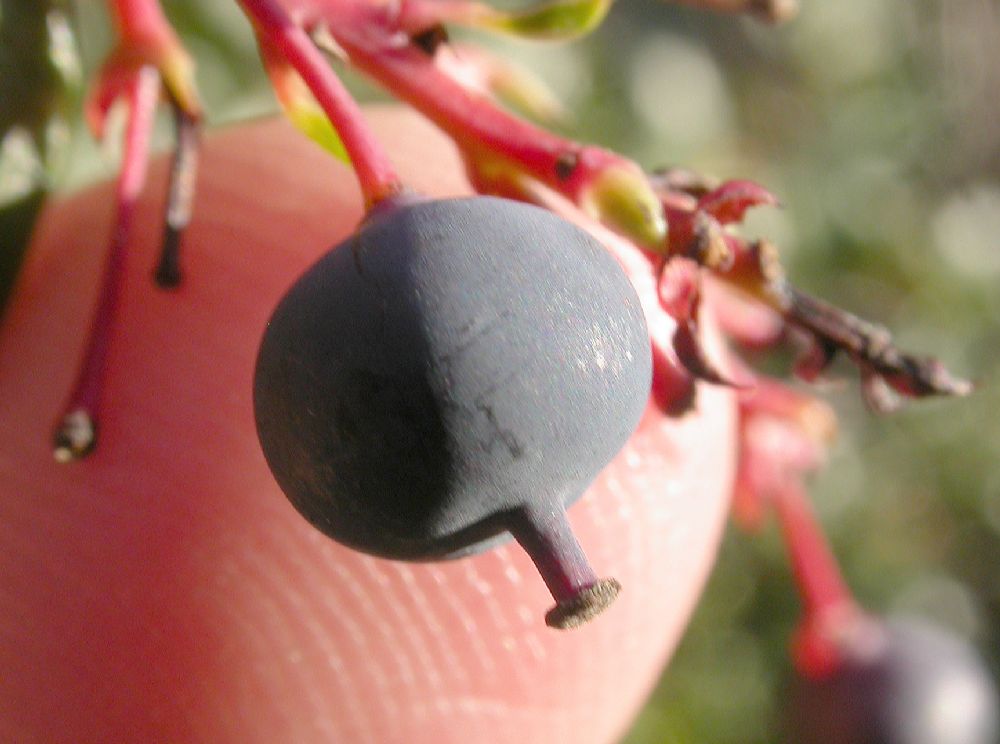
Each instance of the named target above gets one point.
<point>76,434</point>
<point>375,173</point>
<point>817,574</point>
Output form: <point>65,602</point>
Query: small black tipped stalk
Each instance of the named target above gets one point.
<point>545,534</point>
<point>76,433</point>
<point>180,199</point>
<point>75,437</point>
<point>168,273</point>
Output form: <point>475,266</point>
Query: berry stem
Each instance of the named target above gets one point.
<point>603,183</point>
<point>180,198</point>
<point>546,536</point>
<point>470,117</point>
<point>817,575</point>
<point>77,432</point>
<point>377,177</point>
<point>833,626</point>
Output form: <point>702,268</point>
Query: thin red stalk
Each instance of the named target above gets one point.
<point>470,117</point>
<point>141,95</point>
<point>817,574</point>
<point>138,18</point>
<point>377,177</point>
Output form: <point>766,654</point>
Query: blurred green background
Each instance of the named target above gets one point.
<point>876,124</point>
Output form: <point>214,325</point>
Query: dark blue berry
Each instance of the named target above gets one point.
<point>908,683</point>
<point>454,372</point>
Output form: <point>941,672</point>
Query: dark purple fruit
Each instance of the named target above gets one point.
<point>907,682</point>
<point>455,371</point>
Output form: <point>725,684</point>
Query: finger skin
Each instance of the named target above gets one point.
<point>165,590</point>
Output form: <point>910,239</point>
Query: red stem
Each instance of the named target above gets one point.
<point>138,18</point>
<point>142,95</point>
<point>469,117</point>
<point>377,177</point>
<point>817,574</point>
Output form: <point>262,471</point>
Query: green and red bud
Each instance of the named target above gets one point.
<point>554,20</point>
<point>621,197</point>
<point>298,102</point>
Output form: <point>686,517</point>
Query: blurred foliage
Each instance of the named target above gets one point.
<point>37,73</point>
<point>878,126</point>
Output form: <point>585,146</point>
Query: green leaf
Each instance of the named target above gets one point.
<point>313,123</point>
<point>298,102</point>
<point>621,197</point>
<point>557,19</point>
<point>38,67</point>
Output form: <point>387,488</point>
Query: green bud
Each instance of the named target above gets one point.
<point>622,198</point>
<point>556,19</point>
<point>313,123</point>
<point>298,102</point>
